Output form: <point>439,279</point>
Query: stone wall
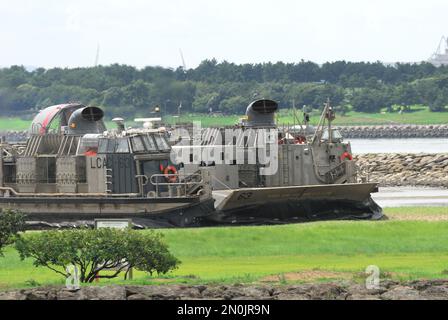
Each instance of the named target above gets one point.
<point>404,169</point>
<point>394,131</point>
<point>388,290</point>
<point>13,136</point>
<point>353,132</point>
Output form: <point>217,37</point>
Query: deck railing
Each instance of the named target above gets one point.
<point>175,185</point>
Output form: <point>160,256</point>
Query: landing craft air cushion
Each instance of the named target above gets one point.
<point>71,171</point>
<point>315,177</point>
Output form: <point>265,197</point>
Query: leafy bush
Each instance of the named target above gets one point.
<point>11,222</point>
<point>98,249</point>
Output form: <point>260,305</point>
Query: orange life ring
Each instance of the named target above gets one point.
<point>346,155</point>
<point>169,173</point>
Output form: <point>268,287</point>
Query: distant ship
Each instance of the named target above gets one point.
<point>440,57</point>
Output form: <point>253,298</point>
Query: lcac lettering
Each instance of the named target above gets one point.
<point>97,163</point>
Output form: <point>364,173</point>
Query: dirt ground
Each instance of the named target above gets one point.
<point>418,217</point>
<point>306,276</point>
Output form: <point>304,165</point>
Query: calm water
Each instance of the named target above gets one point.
<point>429,145</point>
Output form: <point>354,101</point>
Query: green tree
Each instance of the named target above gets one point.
<point>204,102</point>
<point>367,100</point>
<point>11,222</point>
<point>236,104</point>
<point>133,91</point>
<point>94,250</point>
<point>137,94</point>
<point>440,102</point>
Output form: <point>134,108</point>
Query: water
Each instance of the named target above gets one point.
<point>420,145</point>
<point>411,196</point>
<point>405,196</point>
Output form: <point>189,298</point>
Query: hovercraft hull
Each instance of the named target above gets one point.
<point>296,204</point>
<point>72,212</point>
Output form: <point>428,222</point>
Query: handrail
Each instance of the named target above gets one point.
<point>335,172</point>
<point>181,186</point>
<point>175,183</point>
<point>65,194</point>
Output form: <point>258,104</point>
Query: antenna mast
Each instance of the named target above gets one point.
<point>184,66</point>
<point>97,57</point>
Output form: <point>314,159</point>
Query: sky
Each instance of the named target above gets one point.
<point>66,33</point>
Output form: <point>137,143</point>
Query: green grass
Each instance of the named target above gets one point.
<point>423,117</point>
<point>7,124</point>
<point>406,249</point>
<point>418,115</point>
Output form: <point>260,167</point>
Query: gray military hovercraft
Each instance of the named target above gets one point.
<point>263,173</point>
<point>71,170</point>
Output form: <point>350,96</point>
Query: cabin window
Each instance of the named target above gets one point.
<point>137,144</point>
<point>88,146</point>
<point>111,144</point>
<point>149,143</point>
<point>161,142</point>
<point>122,145</point>
<point>102,146</point>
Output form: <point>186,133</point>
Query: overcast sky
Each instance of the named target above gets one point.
<point>145,32</point>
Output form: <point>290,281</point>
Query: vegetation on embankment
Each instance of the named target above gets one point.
<point>13,124</point>
<point>418,115</point>
<point>226,87</point>
<point>409,249</point>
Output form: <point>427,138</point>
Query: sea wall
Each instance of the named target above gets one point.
<point>400,169</point>
<point>349,132</point>
<point>13,136</point>
<point>394,131</point>
<point>388,290</point>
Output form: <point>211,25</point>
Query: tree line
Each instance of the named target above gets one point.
<point>225,87</point>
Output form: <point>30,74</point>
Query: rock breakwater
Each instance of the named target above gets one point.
<point>350,132</point>
<point>388,290</point>
<point>394,131</point>
<point>401,169</point>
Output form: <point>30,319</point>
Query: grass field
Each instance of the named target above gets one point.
<point>13,124</point>
<point>418,115</point>
<point>403,249</point>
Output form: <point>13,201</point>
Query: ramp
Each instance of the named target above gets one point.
<point>296,203</point>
